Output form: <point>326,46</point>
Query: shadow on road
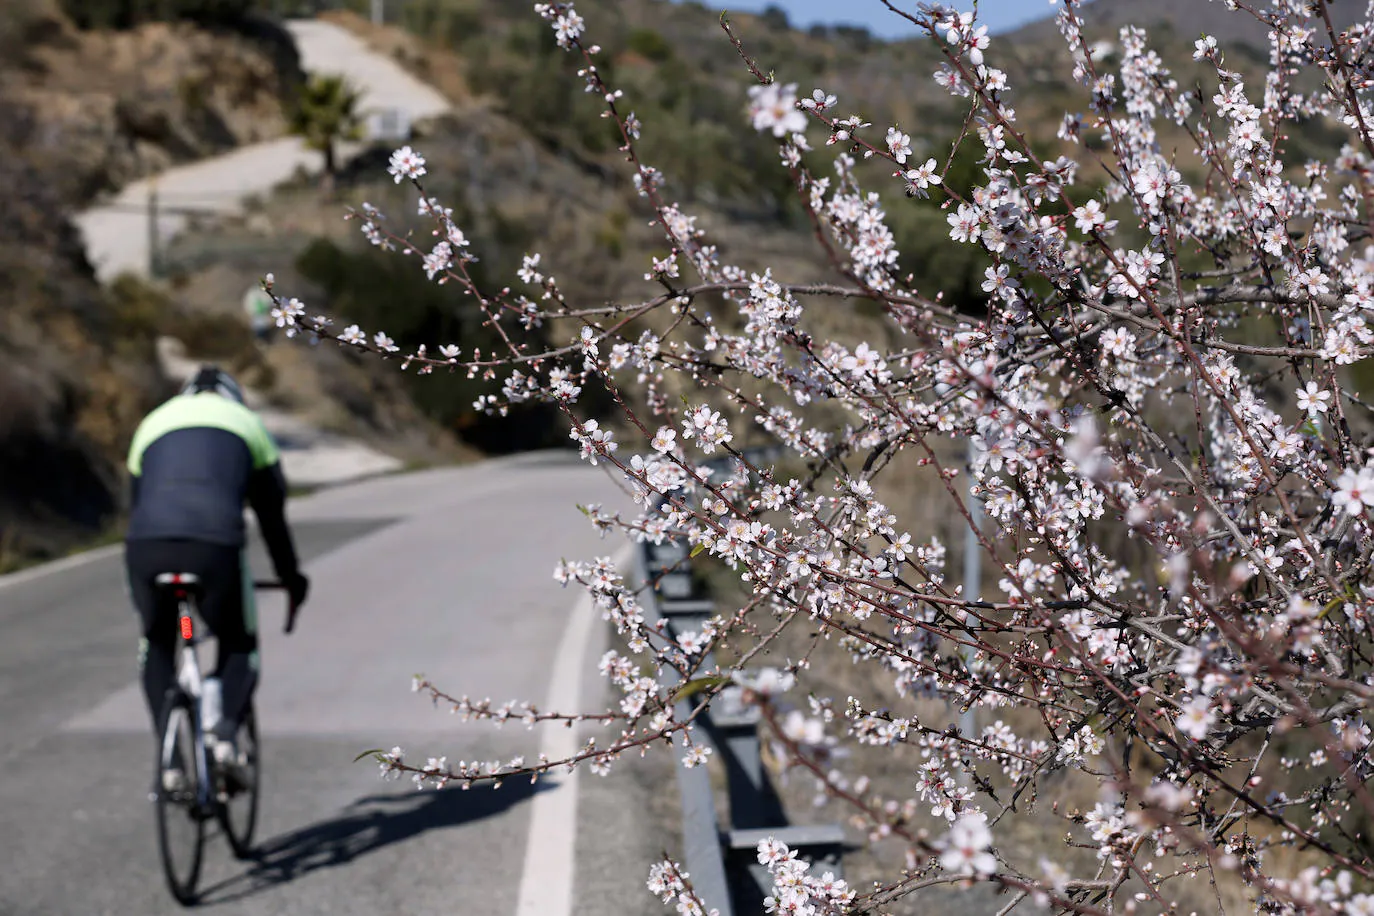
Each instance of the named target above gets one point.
<point>367,825</point>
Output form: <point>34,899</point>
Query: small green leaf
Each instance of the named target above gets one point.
<point>697,685</point>
<point>371,753</point>
<point>698,549</point>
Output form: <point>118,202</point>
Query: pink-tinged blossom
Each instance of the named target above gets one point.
<point>695,755</point>
<point>1090,217</point>
<point>1313,399</point>
<point>966,846</point>
<point>820,101</point>
<point>1311,281</point>
<point>1153,184</point>
<point>1354,490</point>
<point>774,108</point>
<point>665,439</point>
<point>438,260</point>
<point>964,223</point>
<point>568,28</point>
<point>406,164</point>
<point>384,343</point>
<point>285,312</point>
<point>706,427</point>
<point>899,145</point>
<point>353,335</point>
<point>1341,345</point>
<point>1195,718</point>
<point>594,442</point>
<point>919,179</point>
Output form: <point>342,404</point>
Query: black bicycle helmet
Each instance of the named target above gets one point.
<point>213,378</point>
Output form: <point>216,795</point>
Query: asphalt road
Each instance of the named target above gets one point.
<point>447,573</point>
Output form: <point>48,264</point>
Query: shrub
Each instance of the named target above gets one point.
<point>123,14</point>
<point>373,290</point>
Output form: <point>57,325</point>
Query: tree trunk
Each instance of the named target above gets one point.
<point>331,167</point>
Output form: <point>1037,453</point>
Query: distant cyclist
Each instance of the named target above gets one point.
<point>195,461</point>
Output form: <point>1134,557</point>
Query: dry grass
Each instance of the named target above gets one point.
<point>441,69</point>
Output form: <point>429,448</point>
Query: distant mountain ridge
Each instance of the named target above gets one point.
<point>1185,18</point>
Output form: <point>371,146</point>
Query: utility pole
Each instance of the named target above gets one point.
<point>973,580</point>
<point>153,258</point>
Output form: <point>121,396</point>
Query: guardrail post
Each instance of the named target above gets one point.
<point>664,565</point>
<point>701,839</point>
<point>734,729</point>
<point>724,865</point>
<point>686,616</point>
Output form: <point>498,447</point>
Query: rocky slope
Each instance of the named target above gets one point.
<point>80,113</point>
<point>117,105</point>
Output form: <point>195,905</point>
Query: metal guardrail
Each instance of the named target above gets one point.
<point>722,859</point>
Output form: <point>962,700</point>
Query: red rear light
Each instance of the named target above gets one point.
<point>186,628</point>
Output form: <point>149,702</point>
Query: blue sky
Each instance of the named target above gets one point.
<point>998,15</point>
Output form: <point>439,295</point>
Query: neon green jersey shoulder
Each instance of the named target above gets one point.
<point>206,409</point>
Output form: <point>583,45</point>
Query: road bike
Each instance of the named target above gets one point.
<point>206,791</point>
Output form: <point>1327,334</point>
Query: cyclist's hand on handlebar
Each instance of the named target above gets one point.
<point>297,587</point>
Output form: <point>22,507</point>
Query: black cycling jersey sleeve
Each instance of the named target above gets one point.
<point>267,496</point>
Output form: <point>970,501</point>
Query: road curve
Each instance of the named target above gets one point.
<point>116,232</point>
<point>446,573</point>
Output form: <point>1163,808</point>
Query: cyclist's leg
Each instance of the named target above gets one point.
<point>229,610</point>
<point>143,561</point>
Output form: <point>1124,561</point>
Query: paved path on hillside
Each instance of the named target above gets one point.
<point>117,231</point>
<point>443,572</point>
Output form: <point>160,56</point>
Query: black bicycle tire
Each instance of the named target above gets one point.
<point>242,846</point>
<point>183,890</point>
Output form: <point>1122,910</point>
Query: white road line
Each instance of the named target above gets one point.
<point>546,884</point>
<point>57,566</point>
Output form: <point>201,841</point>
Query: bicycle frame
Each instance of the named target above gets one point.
<point>190,680</point>
<point>214,789</point>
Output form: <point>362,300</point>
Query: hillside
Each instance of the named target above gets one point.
<point>528,164</point>
<point>526,160</point>
<point>1184,19</point>
<point>81,112</point>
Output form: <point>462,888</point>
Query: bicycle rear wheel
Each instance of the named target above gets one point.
<point>238,808</point>
<point>180,820</point>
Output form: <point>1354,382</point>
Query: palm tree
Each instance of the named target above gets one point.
<point>326,113</point>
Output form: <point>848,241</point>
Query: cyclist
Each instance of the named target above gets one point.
<point>194,462</point>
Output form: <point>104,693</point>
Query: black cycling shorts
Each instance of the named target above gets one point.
<point>221,572</point>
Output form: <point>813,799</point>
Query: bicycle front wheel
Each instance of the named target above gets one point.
<point>180,820</point>
<point>238,808</point>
